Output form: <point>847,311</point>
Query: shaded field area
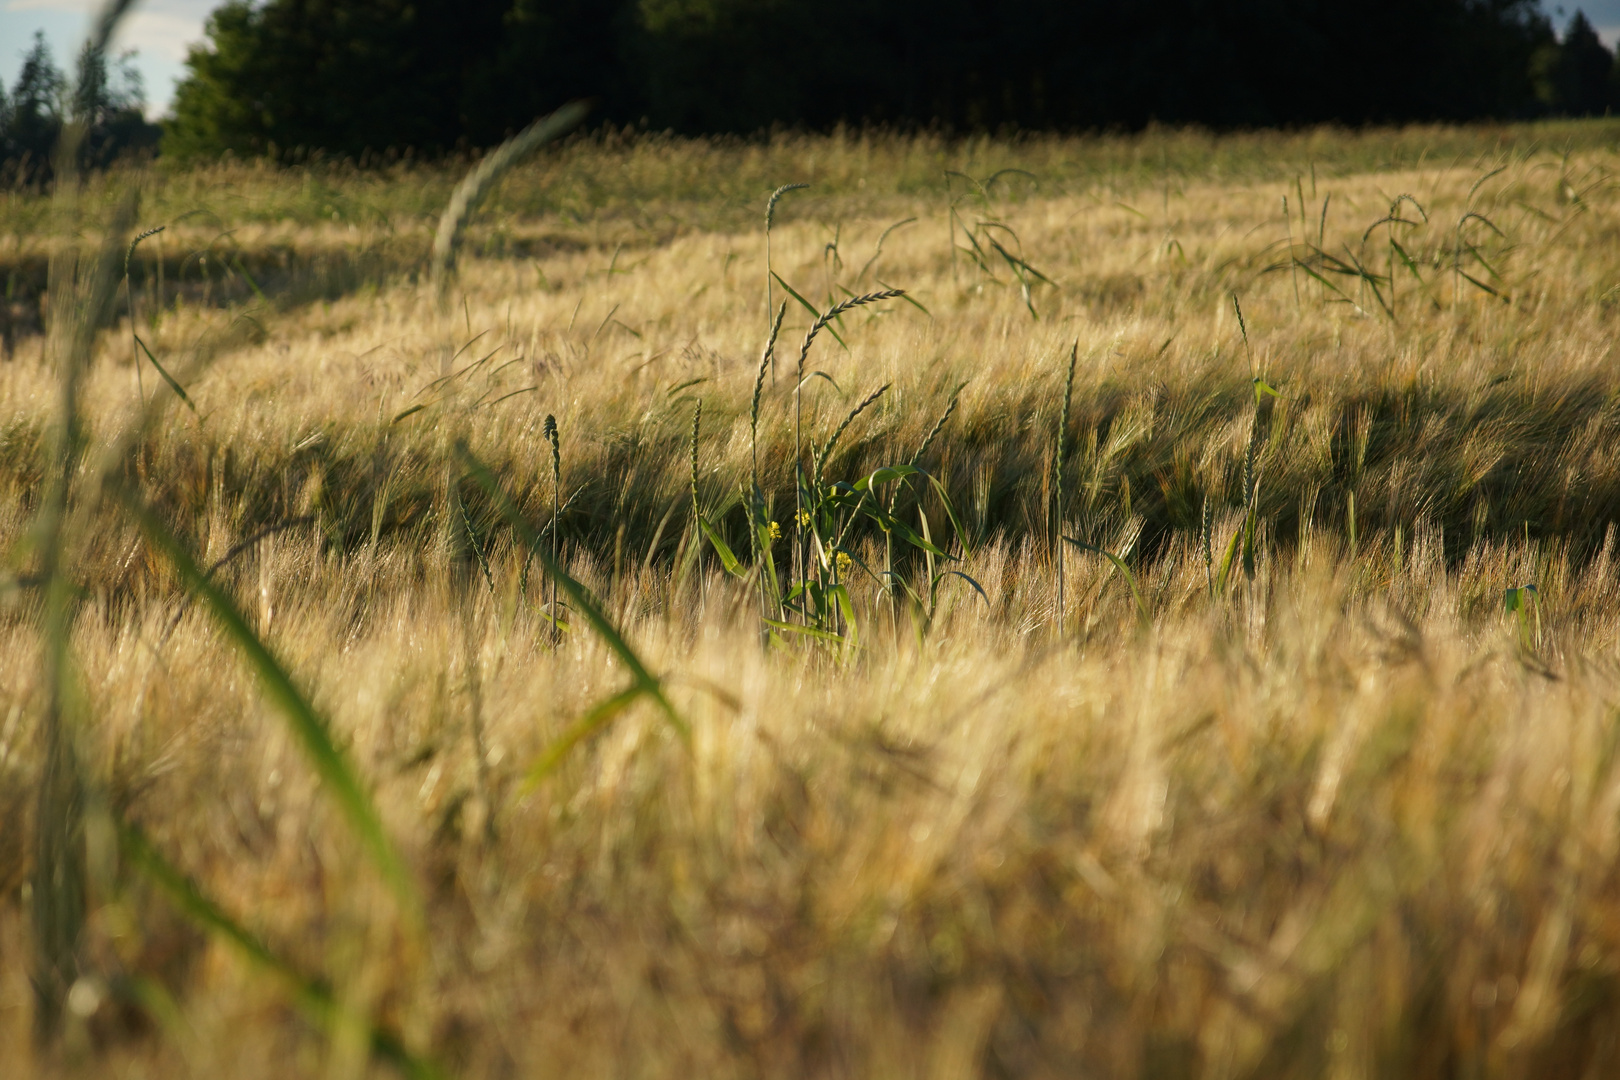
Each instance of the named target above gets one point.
<point>1297,759</point>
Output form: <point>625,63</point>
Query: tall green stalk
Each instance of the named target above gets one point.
<point>82,296</point>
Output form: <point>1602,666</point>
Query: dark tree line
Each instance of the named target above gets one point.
<point>352,76</point>
<point>108,99</point>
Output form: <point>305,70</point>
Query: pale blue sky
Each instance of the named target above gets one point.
<point>160,31</point>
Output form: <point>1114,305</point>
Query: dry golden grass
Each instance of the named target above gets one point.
<point>1344,818</point>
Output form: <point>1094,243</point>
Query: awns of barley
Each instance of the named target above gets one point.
<point>476,184</point>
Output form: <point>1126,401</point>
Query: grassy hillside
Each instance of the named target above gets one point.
<point>1299,761</point>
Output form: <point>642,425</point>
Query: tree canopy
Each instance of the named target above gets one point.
<point>352,76</point>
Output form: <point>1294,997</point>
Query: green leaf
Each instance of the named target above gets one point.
<point>885,475</point>
<point>581,729</point>
<point>841,596</point>
<point>176,387</point>
<point>1471,279</point>
<point>1405,258</point>
<point>311,996</point>
<point>1226,561</point>
<point>815,312</point>
<point>806,631</point>
<point>907,297</point>
<point>727,559</point>
<point>906,533</point>
<point>1018,264</point>
<point>1519,599</point>
<point>1312,273</point>
<point>1263,388</point>
<point>950,512</point>
<point>254,285</point>
<point>976,586</point>
<point>307,725</point>
<point>1130,578</point>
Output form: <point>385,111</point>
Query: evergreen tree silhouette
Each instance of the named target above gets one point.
<point>34,114</point>
<point>1584,76</point>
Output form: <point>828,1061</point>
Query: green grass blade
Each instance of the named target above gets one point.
<point>1226,561</point>
<point>950,512</point>
<point>814,311</point>
<point>580,730</point>
<point>976,586</point>
<point>1312,273</point>
<point>806,631</point>
<point>885,475</point>
<point>1471,279</point>
<point>907,297</point>
<point>840,595</point>
<point>1406,259</point>
<point>1018,263</point>
<point>161,370</point>
<point>312,997</point>
<point>893,524</point>
<point>254,285</point>
<point>307,725</point>
<point>722,549</point>
<point>1125,571</point>
<point>582,600</point>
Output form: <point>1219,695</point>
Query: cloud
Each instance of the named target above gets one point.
<point>86,6</point>
<point>159,34</point>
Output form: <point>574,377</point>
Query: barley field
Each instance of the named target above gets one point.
<point>1165,625</point>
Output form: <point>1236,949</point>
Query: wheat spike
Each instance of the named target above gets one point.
<point>832,440</point>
